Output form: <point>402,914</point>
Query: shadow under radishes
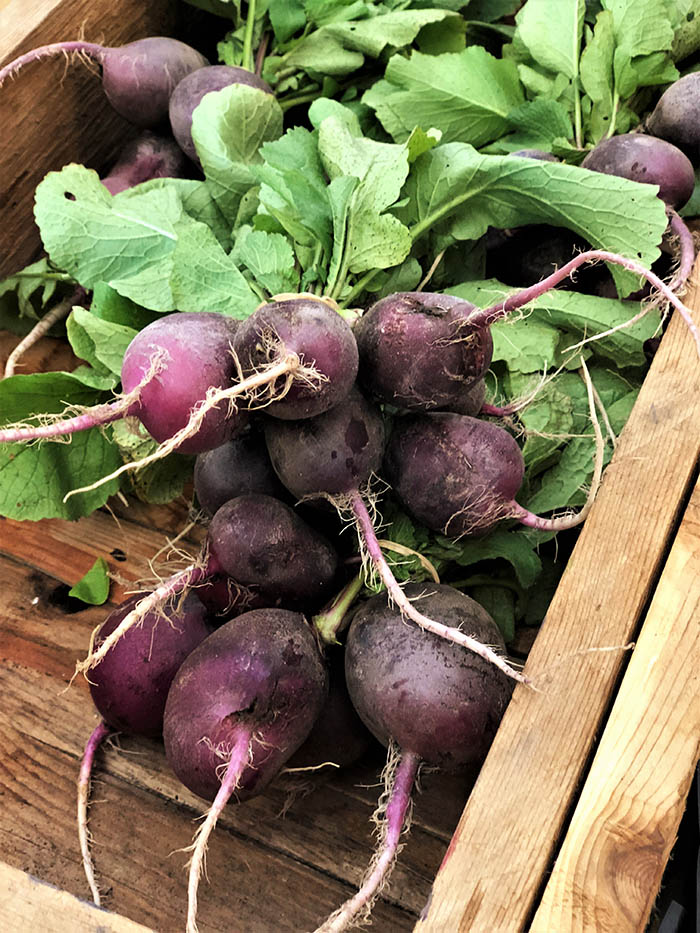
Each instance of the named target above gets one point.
<point>424,698</point>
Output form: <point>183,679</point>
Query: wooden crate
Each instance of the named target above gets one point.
<point>574,813</point>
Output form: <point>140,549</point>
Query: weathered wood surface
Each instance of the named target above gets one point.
<point>56,111</point>
<point>30,904</point>
<point>508,834</point>
<point>609,869</point>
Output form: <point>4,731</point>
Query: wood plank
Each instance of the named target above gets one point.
<point>27,904</point>
<point>52,115</point>
<point>609,869</point>
<point>507,836</point>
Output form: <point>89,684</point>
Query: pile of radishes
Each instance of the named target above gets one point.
<point>299,420</point>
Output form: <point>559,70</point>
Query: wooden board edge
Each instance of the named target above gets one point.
<point>28,904</point>
<point>609,868</point>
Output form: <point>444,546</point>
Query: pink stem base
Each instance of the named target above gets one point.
<point>407,608</point>
<point>93,743</point>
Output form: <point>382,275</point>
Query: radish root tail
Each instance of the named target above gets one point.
<point>93,743</point>
<point>241,756</point>
<point>392,818</point>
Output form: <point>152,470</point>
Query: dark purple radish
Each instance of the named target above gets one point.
<point>338,737</point>
<point>138,78</point>
<point>676,117</point>
<point>241,704</point>
<point>653,161</point>
<point>333,456</point>
<point>168,369</point>
<point>472,401</point>
<point>424,698</point>
<point>260,543</point>
<point>130,685</point>
<point>459,475</point>
<point>239,467</point>
<point>413,353</point>
<point>146,157</point>
<point>225,599</point>
<point>190,91</point>
<point>647,160</point>
<point>308,333</point>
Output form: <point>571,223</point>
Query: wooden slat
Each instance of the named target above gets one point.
<point>609,869</point>
<point>27,905</point>
<point>508,833</point>
<point>52,115</point>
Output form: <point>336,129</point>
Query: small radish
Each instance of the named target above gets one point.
<point>148,156</point>
<point>138,78</point>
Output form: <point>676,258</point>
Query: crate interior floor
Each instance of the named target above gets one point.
<point>267,871</point>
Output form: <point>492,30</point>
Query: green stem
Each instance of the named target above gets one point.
<point>577,118</point>
<point>53,276</point>
<point>613,116</point>
<point>342,273</point>
<point>329,622</point>
<point>248,58</point>
<point>358,287</point>
<point>299,99</point>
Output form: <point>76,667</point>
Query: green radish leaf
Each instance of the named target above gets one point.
<point>34,478</point>
<point>466,95</point>
<point>466,192</point>
<point>99,342</point>
<point>552,31</point>
<point>93,588</point>
<point>269,257</point>
<point>228,129</point>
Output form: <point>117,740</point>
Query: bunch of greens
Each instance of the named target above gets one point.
<point>362,201</point>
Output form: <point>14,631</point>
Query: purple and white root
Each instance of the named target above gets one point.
<point>173,586</point>
<point>100,733</point>
<point>407,608</point>
<point>237,762</point>
<point>392,817</point>
<point>289,367</point>
<point>487,316</point>
<point>88,49</point>
<point>686,251</point>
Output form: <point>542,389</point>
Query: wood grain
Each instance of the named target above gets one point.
<point>508,834</point>
<point>56,112</point>
<point>29,904</point>
<point>609,869</point>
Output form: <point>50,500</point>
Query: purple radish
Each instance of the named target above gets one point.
<point>437,703</point>
<point>138,78</point>
<point>239,706</point>
<point>413,353</point>
<point>459,475</point>
<point>168,368</point>
<point>225,599</point>
<point>676,117</point>
<point>148,156</point>
<point>297,357</point>
<point>652,161</point>
<point>240,466</point>
<point>190,91</point>
<point>333,456</point>
<point>472,401</point>
<point>130,686</point>
<point>306,330</point>
<point>260,543</point>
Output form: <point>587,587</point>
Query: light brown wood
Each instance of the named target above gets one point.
<point>609,869</point>
<point>52,114</point>
<point>508,834</point>
<point>27,905</point>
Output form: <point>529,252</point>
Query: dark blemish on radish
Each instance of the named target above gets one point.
<point>356,436</point>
